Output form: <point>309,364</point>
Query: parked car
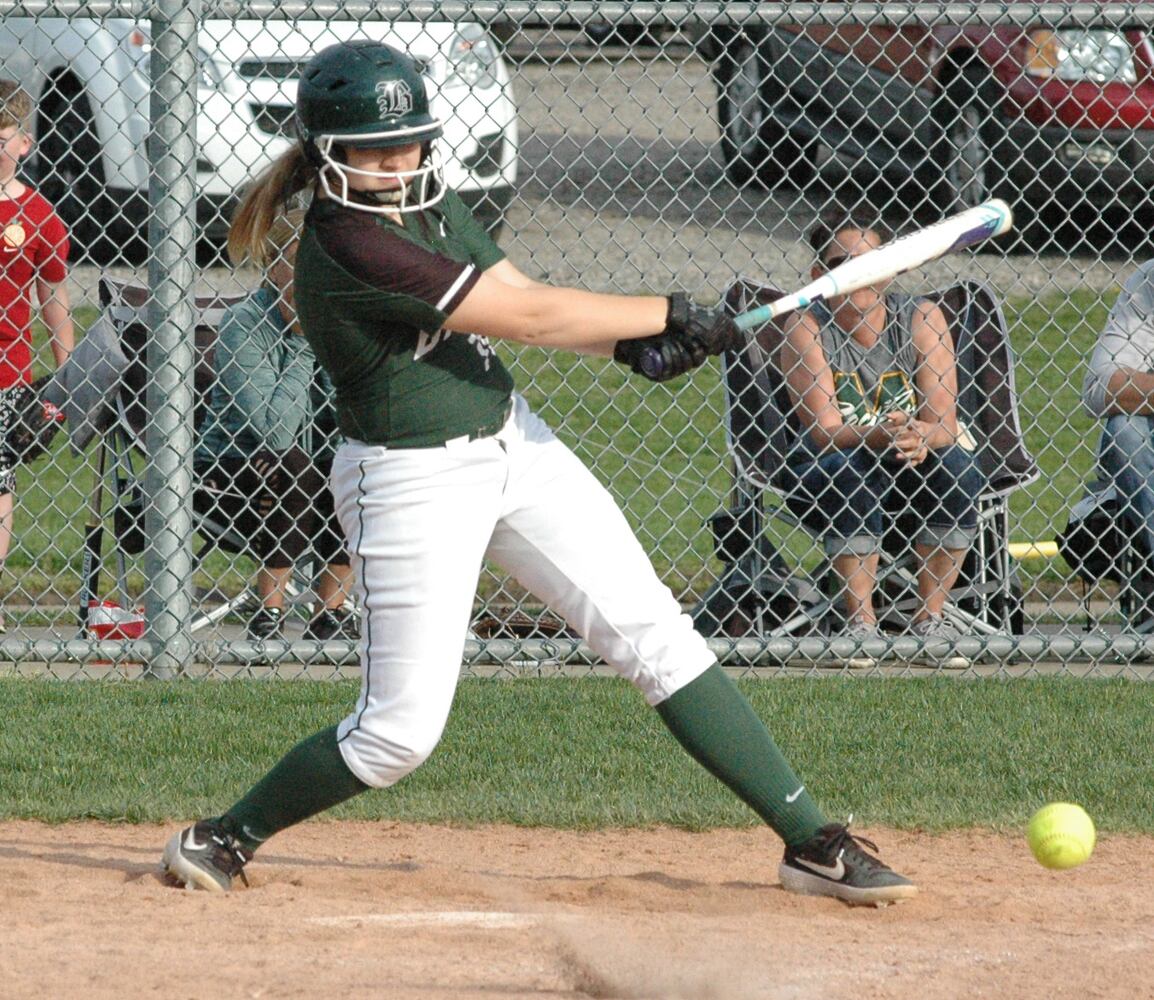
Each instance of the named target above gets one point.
<point>966,112</point>
<point>90,81</point>
<point>624,34</point>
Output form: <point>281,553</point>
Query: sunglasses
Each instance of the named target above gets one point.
<point>837,261</point>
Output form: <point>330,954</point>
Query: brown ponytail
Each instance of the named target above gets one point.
<point>267,198</point>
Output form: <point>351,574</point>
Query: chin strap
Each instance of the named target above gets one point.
<point>379,197</point>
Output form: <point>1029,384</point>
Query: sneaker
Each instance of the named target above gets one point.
<point>205,857</point>
<point>832,863</point>
<point>938,635</point>
<point>859,632</point>
<point>334,623</point>
<point>266,623</point>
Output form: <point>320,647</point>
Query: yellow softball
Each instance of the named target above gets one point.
<point>1061,835</point>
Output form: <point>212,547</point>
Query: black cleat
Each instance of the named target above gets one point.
<point>333,623</point>
<point>266,623</point>
<point>205,857</point>
<point>832,863</point>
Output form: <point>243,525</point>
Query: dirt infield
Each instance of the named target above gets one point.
<point>404,911</point>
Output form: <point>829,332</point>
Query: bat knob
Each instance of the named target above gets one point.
<point>651,363</point>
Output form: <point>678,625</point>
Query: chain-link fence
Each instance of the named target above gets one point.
<point>638,148</point>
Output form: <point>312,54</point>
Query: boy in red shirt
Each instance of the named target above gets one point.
<point>33,254</point>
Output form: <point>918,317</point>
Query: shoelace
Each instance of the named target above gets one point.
<point>230,857</point>
<point>843,839</point>
<point>933,627</point>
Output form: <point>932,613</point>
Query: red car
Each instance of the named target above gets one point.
<point>968,112</point>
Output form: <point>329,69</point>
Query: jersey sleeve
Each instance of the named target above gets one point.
<point>479,244</point>
<point>382,257</point>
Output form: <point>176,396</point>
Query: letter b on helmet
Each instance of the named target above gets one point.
<point>362,93</point>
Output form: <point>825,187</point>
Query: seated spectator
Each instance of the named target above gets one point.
<point>1119,388</point>
<point>873,384</point>
<point>267,443</point>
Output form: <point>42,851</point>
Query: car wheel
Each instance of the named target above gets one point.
<point>970,140</point>
<point>756,147</point>
<point>70,174</point>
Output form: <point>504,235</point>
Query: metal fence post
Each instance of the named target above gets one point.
<point>171,353</point>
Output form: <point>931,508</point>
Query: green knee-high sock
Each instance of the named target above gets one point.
<point>719,729</point>
<point>309,779</point>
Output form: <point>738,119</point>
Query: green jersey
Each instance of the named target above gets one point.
<point>372,296</point>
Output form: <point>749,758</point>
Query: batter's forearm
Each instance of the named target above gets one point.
<point>566,318</point>
<point>578,320</point>
<point>601,350</point>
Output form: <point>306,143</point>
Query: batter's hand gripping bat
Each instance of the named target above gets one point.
<point>982,222</point>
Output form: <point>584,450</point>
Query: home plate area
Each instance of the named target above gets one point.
<point>414,911</point>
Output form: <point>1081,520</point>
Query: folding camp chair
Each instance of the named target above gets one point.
<point>1105,540</point>
<point>756,591</point>
<point>122,449</point>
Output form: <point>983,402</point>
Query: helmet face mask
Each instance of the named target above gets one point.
<point>416,189</point>
<point>368,95</point>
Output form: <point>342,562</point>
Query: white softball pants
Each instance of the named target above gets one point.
<point>419,524</point>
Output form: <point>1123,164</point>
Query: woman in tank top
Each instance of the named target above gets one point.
<point>873,386</point>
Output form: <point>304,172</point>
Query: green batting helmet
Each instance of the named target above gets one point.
<point>369,95</point>
<point>363,93</point>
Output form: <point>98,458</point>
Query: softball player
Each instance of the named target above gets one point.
<point>399,290</point>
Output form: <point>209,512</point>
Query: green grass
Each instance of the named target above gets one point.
<point>50,511</point>
<point>1053,339</point>
<point>925,754</point>
<point>662,448</point>
<point>661,451</point>
<point>54,495</point>
<point>659,448</point>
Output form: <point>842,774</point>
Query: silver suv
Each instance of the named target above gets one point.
<point>90,81</point>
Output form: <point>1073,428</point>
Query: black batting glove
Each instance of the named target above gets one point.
<point>692,334</point>
<point>660,357</point>
<point>712,329</point>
